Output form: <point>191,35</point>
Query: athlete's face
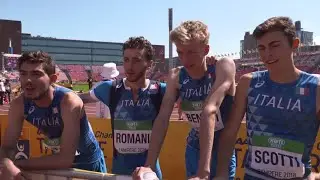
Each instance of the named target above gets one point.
<point>34,81</point>
<point>275,49</point>
<point>192,55</point>
<point>135,64</point>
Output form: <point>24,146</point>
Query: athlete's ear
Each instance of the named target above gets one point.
<point>296,43</point>
<point>53,78</point>
<point>150,63</point>
<point>206,49</point>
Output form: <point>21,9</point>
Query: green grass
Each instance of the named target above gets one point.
<point>83,87</point>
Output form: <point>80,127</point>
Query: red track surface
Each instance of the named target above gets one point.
<point>90,110</point>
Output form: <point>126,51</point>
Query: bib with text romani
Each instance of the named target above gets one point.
<point>132,136</point>
<point>193,109</point>
<point>277,157</point>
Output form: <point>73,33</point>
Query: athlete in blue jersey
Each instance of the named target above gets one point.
<point>206,93</point>
<point>134,103</point>
<point>58,113</point>
<point>282,110</point>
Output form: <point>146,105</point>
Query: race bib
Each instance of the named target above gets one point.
<point>277,157</point>
<point>192,111</point>
<point>52,144</point>
<point>132,137</point>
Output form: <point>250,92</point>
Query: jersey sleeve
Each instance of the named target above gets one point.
<point>102,92</point>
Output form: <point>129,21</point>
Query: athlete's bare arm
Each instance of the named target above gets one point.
<point>13,130</point>
<point>72,109</point>
<point>224,84</point>
<point>229,134</point>
<point>87,97</point>
<point>161,123</point>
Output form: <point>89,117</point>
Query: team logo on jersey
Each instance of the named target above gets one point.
<point>55,110</point>
<point>31,109</point>
<point>259,84</point>
<point>118,86</point>
<point>185,81</point>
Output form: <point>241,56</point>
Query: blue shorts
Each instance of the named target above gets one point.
<point>192,157</point>
<point>96,166</point>
<point>126,164</point>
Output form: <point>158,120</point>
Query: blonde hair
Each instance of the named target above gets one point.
<point>190,31</point>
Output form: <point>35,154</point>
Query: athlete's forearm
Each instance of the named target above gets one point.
<point>207,125</point>
<point>86,98</point>
<point>159,132</point>
<point>50,162</point>
<point>225,148</point>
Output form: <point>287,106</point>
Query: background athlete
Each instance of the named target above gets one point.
<point>193,84</point>
<point>58,113</point>
<point>282,110</point>
<point>135,109</point>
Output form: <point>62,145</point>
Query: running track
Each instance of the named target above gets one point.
<point>90,110</point>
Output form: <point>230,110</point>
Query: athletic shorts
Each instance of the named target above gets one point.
<point>192,157</point>
<point>96,166</point>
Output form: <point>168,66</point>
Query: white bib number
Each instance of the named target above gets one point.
<point>277,157</point>
<point>131,142</point>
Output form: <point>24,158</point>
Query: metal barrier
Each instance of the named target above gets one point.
<point>73,174</point>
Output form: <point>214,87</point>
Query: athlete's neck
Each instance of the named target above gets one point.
<point>46,100</point>
<point>135,86</point>
<point>198,72</point>
<point>284,75</point>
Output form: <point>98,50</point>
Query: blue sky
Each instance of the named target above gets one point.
<point>116,20</point>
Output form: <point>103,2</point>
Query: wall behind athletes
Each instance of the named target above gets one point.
<point>171,157</point>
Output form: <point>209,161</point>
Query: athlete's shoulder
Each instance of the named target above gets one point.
<point>226,67</point>
<point>226,61</point>
<point>71,98</point>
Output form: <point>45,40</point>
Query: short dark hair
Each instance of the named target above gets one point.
<point>140,43</point>
<point>280,23</point>
<point>40,57</point>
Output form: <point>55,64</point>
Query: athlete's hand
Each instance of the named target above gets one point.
<point>10,172</point>
<point>137,174</point>
<point>314,176</point>
<point>211,60</point>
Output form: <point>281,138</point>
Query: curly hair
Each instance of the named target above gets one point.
<point>140,43</point>
<point>40,57</point>
<point>190,30</point>
<point>280,23</point>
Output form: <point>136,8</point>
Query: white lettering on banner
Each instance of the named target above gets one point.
<point>195,116</point>
<point>276,162</point>
<point>279,103</point>
<point>132,141</point>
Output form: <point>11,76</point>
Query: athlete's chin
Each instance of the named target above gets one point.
<point>133,79</point>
